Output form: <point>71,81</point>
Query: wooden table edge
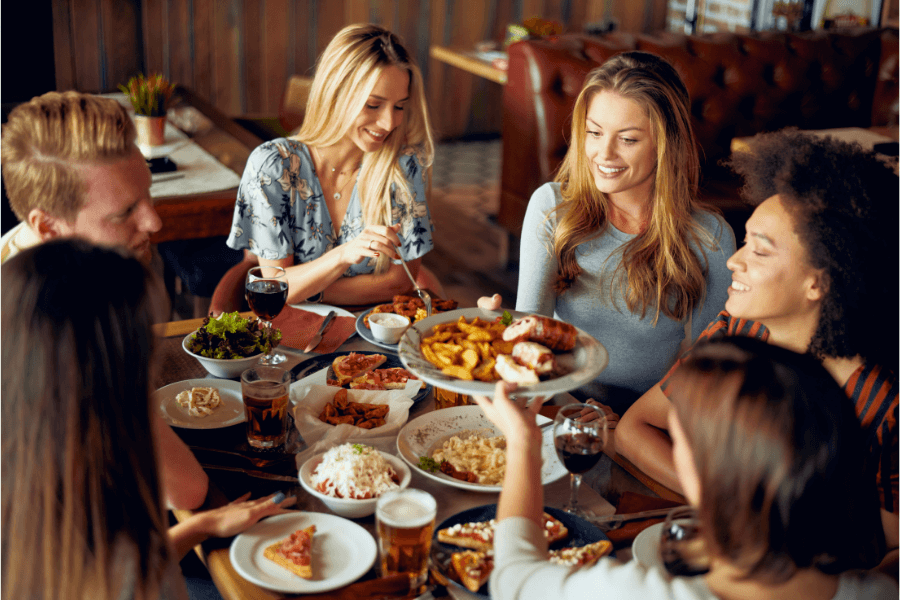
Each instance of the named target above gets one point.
<point>467,61</point>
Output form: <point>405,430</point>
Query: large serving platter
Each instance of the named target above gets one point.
<point>583,364</point>
<point>426,433</point>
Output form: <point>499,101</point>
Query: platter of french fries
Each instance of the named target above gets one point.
<point>459,350</point>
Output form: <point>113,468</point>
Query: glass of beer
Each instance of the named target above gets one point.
<point>405,523</point>
<point>265,393</point>
<point>447,399</point>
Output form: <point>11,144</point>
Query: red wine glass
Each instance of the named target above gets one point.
<point>266,292</point>
<point>580,432</point>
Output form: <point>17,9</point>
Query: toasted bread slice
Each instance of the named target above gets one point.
<point>480,535</point>
<point>582,555</point>
<point>394,378</point>
<point>350,366</point>
<point>473,568</point>
<point>300,544</point>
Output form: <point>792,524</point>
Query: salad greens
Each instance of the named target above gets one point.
<point>426,463</point>
<point>232,336</point>
<point>507,318</point>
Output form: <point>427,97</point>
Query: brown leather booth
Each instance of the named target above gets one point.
<point>739,85</point>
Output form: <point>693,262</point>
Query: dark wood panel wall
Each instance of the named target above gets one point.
<point>239,53</point>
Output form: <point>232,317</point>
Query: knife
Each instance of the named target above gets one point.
<point>615,521</point>
<point>317,339</point>
<point>251,473</point>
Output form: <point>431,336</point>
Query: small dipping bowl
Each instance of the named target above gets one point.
<point>388,328</point>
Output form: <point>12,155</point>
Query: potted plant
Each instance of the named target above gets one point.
<point>150,97</point>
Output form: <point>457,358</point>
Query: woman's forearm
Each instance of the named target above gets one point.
<point>372,288</point>
<point>523,493</point>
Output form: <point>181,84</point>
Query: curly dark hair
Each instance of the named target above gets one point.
<point>844,202</point>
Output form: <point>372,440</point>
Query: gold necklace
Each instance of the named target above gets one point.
<point>338,194</point>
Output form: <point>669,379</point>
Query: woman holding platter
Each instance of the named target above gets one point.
<point>336,203</point>
<point>747,416</point>
<point>618,244</point>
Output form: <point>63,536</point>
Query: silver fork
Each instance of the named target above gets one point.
<point>426,298</point>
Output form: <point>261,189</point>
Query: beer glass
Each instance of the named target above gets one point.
<point>404,521</point>
<point>265,393</point>
<point>447,399</point>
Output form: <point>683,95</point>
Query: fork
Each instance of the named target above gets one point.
<point>257,462</point>
<point>425,296</point>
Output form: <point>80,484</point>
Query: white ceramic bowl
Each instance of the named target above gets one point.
<point>345,507</point>
<point>227,368</point>
<point>388,328</point>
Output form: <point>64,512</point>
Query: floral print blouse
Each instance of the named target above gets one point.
<point>280,210</point>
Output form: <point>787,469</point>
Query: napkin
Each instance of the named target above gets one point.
<point>311,394</point>
<point>630,502</point>
<point>299,326</point>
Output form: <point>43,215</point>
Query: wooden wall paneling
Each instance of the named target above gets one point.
<point>227,51</point>
<point>63,56</point>
<point>85,33</point>
<point>202,82</point>
<point>180,27</point>
<point>304,56</point>
<point>251,56</point>
<point>121,42</point>
<point>329,20</point>
<point>360,11</point>
<point>155,28</point>
<point>277,49</point>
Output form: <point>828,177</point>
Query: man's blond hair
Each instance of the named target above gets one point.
<point>47,138</point>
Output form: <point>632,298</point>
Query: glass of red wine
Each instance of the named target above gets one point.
<point>266,292</point>
<point>681,545</point>
<point>580,432</point>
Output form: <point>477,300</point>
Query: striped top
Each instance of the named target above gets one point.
<point>872,390</point>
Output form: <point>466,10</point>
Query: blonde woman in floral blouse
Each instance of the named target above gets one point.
<point>338,202</point>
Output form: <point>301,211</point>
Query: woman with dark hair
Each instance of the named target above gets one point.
<point>812,276</point>
<point>767,449</point>
<point>618,244</point>
<point>335,203</point>
<point>83,514</point>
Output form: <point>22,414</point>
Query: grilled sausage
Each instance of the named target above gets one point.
<point>548,332</point>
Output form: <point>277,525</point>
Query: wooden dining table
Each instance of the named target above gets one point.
<point>612,476</point>
<point>205,214</point>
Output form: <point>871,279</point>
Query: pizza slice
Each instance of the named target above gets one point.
<point>294,553</point>
<point>473,567</point>
<point>480,535</point>
<point>350,366</point>
<point>582,555</point>
<point>393,378</point>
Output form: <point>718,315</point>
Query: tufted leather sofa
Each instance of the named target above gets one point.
<point>739,85</point>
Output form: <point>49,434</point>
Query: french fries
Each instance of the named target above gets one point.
<point>466,350</point>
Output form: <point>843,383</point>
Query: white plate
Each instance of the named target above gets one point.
<point>645,547</point>
<point>230,412</point>
<point>342,553</point>
<point>583,363</point>
<point>425,434</point>
<point>366,333</point>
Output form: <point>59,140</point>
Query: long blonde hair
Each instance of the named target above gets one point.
<point>346,73</point>
<point>45,139</point>
<point>658,269</point>
<point>82,510</point>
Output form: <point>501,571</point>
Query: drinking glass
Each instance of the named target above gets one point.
<point>266,292</point>
<point>264,390</point>
<point>404,520</point>
<point>681,546</point>
<point>579,444</point>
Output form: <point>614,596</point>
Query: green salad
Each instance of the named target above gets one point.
<point>232,336</point>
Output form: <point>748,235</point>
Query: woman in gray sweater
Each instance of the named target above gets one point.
<point>618,244</point>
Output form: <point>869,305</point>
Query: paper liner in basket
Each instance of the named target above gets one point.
<point>311,394</point>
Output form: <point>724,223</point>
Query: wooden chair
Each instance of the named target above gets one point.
<point>290,115</point>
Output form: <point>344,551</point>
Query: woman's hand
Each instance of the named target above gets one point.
<point>240,514</point>
<point>516,422</point>
<point>373,240</point>
<point>490,302</point>
<point>589,415</point>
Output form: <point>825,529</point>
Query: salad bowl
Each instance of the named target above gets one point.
<point>226,368</point>
<point>229,344</point>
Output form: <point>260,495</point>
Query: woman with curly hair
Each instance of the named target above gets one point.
<point>336,202</point>
<point>767,451</point>
<point>818,262</point>
<point>618,244</point>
